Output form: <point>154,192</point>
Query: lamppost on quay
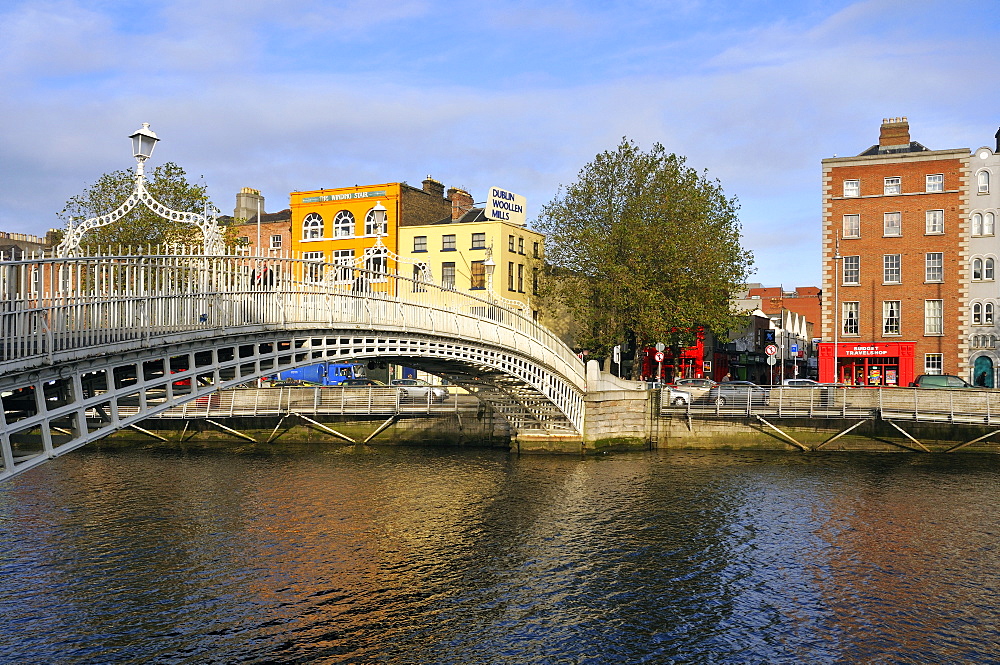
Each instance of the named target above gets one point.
<point>143,142</point>
<point>836,309</point>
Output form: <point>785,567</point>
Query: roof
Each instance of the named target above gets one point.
<point>912,146</point>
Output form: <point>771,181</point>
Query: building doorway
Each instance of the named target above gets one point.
<point>982,372</point>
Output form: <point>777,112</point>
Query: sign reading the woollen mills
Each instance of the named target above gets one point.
<point>506,206</point>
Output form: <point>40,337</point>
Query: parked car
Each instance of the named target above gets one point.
<point>675,397</point>
<point>801,383</point>
<point>940,381</point>
<point>738,393</point>
<point>698,388</point>
<point>361,383</point>
<point>417,390</point>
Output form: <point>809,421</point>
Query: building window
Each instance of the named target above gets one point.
<point>977,269</point>
<point>933,363</point>
<point>343,224</point>
<point>890,268</point>
<point>418,278</point>
<point>344,260</point>
<point>988,269</point>
<point>935,183</point>
<point>520,278</point>
<point>983,178</point>
<point>989,224</point>
<point>276,241</point>
<point>534,280</point>
<point>852,270</point>
<point>372,228</point>
<point>849,320</point>
<point>852,188</point>
<point>243,240</point>
<point>313,266</point>
<point>377,264</point>
<point>478,241</point>
<point>419,243</point>
<point>892,186</point>
<point>448,243</point>
<point>977,314</point>
<point>534,250</point>
<point>890,317</point>
<point>510,275</point>
<point>934,267</point>
<point>977,224</point>
<point>520,246</point>
<point>988,314</point>
<point>448,275</point>
<point>935,221</point>
<point>478,279</point>
<point>892,224</point>
<point>510,243</point>
<point>852,226</point>
<point>933,317</point>
<point>312,226</point>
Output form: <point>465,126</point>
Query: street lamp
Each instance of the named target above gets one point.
<point>143,141</point>
<point>379,216</point>
<point>836,309</point>
<point>489,265</point>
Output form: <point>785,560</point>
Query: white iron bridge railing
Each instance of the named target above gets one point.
<point>967,406</point>
<point>54,310</point>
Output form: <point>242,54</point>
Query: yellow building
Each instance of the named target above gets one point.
<point>342,226</point>
<point>457,250</point>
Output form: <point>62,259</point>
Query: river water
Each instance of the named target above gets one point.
<point>388,555</point>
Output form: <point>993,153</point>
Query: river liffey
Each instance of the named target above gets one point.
<point>387,555</point>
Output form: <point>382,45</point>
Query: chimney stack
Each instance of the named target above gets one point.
<point>894,131</point>
<point>997,135</point>
<point>433,187</point>
<point>461,202</point>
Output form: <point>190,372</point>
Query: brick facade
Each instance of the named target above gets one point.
<point>866,242</point>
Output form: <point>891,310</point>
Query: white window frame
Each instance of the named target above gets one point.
<point>977,269</point>
<point>343,224</point>
<point>933,363</point>
<point>934,222</point>
<point>934,267</point>
<point>313,267</point>
<point>890,317</point>
<point>377,264</point>
<point>852,188</point>
<point>934,317</point>
<point>934,182</point>
<point>312,226</point>
<point>344,260</point>
<point>419,243</point>
<point>449,243</point>
<point>892,221</point>
<point>988,314</point>
<point>852,270</point>
<point>989,224</point>
<point>448,275</point>
<point>373,229</point>
<point>276,241</point>
<point>478,241</point>
<point>977,314</point>
<point>850,319</point>
<point>891,268</point>
<point>852,226</point>
<point>893,185</point>
<point>983,181</point>
<point>989,264</point>
<point>977,223</point>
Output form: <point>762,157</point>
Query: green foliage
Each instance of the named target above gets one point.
<point>167,183</point>
<point>642,244</point>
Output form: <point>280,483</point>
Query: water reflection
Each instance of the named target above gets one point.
<point>360,554</point>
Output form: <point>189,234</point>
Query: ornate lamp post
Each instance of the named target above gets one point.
<point>143,142</point>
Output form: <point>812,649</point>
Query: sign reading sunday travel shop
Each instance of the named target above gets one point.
<point>506,206</point>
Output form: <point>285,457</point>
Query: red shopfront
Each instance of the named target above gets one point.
<point>867,363</point>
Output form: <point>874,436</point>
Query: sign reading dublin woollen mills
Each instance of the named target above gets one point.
<point>506,206</point>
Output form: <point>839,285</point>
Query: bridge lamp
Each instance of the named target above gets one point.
<point>143,142</point>
<point>379,213</point>
<point>489,265</point>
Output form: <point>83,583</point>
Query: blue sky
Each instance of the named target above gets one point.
<point>286,96</point>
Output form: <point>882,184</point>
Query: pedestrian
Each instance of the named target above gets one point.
<point>727,378</point>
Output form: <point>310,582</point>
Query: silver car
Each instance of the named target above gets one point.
<point>418,389</point>
<point>675,397</point>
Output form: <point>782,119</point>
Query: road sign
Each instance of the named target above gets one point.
<point>771,360</point>
<point>770,350</point>
<point>658,356</point>
<point>794,348</point>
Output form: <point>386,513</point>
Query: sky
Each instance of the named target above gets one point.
<point>289,96</point>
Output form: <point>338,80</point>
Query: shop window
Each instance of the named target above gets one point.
<point>852,188</point>
<point>935,183</point>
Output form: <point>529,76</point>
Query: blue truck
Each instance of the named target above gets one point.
<point>323,374</point>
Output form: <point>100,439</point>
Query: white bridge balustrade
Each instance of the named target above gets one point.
<point>89,345</point>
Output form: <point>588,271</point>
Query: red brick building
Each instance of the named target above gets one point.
<point>804,300</point>
<point>894,261</point>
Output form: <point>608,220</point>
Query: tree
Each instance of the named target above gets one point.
<point>167,183</point>
<point>642,247</point>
